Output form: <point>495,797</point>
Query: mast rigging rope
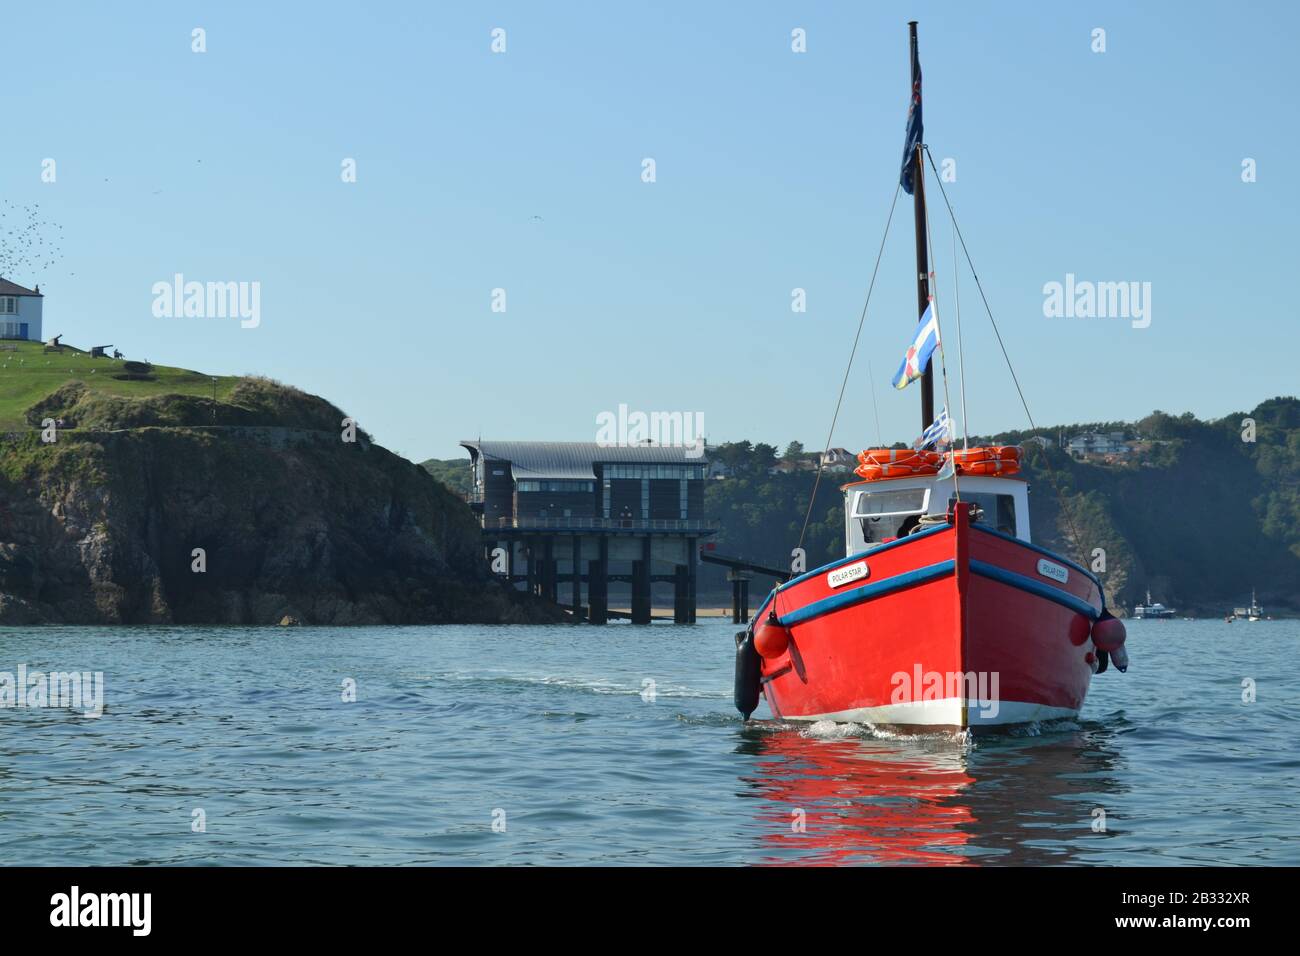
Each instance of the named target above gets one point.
<point>821,463</point>
<point>934,303</point>
<point>1056,488</point>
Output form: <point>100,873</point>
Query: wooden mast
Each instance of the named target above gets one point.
<point>922,258</point>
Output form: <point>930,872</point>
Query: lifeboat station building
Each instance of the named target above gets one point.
<point>574,522</point>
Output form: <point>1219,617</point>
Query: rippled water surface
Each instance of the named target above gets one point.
<point>557,733</point>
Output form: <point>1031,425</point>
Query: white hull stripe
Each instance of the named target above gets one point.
<point>945,712</point>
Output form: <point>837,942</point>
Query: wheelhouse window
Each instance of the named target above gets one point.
<point>889,513</point>
<point>994,511</point>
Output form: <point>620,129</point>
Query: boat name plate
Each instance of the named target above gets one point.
<point>847,574</point>
<point>1050,569</point>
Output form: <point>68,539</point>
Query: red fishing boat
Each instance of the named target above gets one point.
<point>943,615</point>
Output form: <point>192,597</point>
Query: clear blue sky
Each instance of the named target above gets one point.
<point>774,171</point>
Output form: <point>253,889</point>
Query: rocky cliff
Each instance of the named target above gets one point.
<point>179,509</point>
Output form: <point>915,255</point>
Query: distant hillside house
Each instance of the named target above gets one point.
<point>20,311</point>
<point>1097,444</point>
<point>787,466</point>
<point>839,459</point>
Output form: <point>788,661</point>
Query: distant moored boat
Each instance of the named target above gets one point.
<point>1252,613</point>
<point>1152,609</point>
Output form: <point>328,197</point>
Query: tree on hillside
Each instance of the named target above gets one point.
<point>764,456</point>
<point>452,472</point>
<point>745,458</point>
<point>734,454</point>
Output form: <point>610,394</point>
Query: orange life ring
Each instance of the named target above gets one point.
<point>987,460</point>
<point>877,463</point>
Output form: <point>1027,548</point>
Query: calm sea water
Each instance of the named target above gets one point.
<point>555,732</point>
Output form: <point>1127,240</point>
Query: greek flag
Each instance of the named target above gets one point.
<point>924,342</point>
<point>939,433</point>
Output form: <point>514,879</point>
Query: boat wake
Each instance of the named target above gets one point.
<point>831,730</point>
<point>1037,728</point>
<point>648,686</point>
<point>848,730</point>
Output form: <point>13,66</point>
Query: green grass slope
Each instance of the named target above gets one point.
<point>29,374</point>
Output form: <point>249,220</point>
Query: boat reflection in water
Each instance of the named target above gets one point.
<point>851,798</point>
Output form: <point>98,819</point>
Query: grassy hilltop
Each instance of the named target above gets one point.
<point>29,374</point>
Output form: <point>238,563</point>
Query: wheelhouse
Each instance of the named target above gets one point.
<point>877,512</point>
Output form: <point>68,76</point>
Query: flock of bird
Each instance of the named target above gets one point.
<point>29,244</point>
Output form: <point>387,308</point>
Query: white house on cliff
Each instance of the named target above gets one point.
<point>20,311</point>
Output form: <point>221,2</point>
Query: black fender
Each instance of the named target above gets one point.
<point>749,672</point>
